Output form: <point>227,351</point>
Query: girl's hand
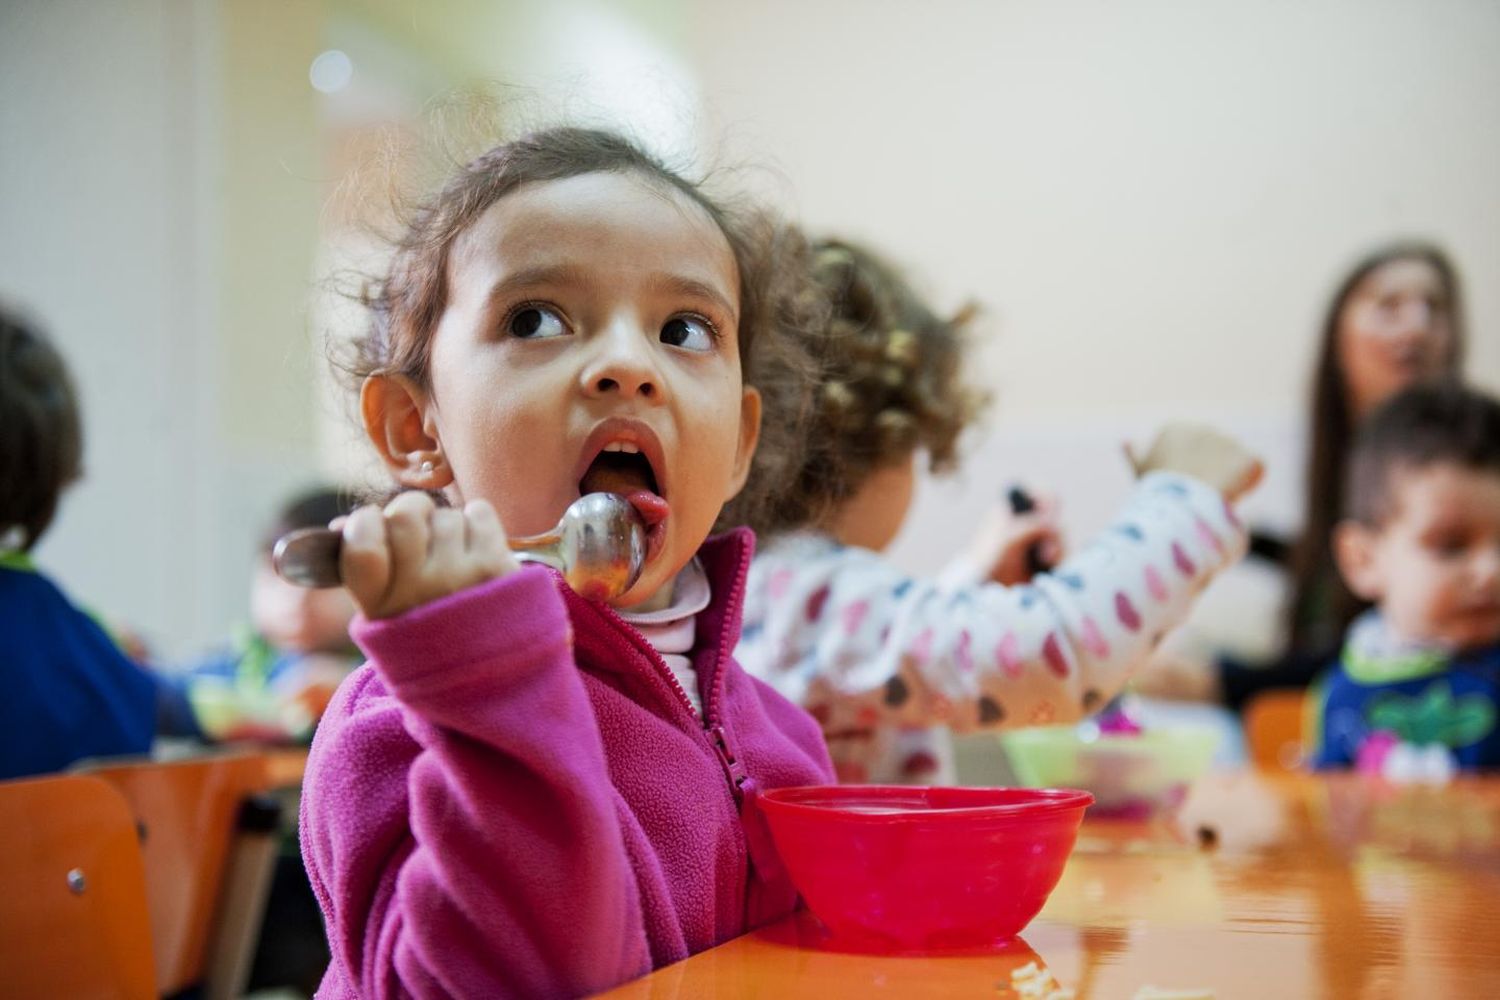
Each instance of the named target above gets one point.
<point>1203,453</point>
<point>1004,544</point>
<point>415,552</point>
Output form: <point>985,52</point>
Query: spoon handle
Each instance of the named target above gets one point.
<point>1021,502</point>
<point>309,557</point>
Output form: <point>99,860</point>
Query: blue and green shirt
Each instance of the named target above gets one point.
<point>1410,693</point>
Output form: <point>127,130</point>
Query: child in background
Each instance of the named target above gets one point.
<point>70,692</point>
<point>871,651</point>
<point>524,792</point>
<point>274,683</point>
<point>1415,693</point>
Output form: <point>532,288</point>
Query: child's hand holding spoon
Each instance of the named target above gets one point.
<point>414,552</point>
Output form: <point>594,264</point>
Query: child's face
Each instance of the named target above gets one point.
<point>1394,331</point>
<point>1433,564</point>
<point>296,618</point>
<point>585,314</point>
<point>873,516</point>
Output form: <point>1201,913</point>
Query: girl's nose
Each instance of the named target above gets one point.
<point>623,364</point>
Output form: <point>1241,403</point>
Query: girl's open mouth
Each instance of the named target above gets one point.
<point>624,470</point>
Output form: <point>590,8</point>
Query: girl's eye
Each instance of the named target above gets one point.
<point>689,333</point>
<point>535,323</point>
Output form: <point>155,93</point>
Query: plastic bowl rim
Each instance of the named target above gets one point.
<point>1059,800</point>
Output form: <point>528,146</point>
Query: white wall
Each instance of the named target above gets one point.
<point>1152,199</point>
<point>158,203</point>
<point>101,212</point>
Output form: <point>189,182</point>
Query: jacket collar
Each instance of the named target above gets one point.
<point>608,644</point>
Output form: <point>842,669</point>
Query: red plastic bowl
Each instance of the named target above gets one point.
<point>897,868</point>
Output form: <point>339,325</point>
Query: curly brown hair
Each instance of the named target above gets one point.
<point>407,301</point>
<point>889,382</point>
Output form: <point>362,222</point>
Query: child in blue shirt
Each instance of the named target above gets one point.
<point>1414,695</point>
<point>69,692</point>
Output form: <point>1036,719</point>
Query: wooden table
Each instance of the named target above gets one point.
<point>1300,886</point>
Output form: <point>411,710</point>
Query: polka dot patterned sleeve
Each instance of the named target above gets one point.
<point>857,642</point>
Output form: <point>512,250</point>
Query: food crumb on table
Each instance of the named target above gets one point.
<point>1032,982</point>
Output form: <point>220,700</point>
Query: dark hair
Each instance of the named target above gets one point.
<point>1321,605</point>
<point>890,371</point>
<point>313,508</point>
<point>41,432</point>
<point>1417,428</point>
<point>407,302</point>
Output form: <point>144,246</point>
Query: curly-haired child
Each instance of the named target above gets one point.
<point>876,654</point>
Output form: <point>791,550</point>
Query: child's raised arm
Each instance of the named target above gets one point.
<point>498,867</point>
<point>874,645</point>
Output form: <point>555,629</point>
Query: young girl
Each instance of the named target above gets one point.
<point>524,792</point>
<point>873,652</point>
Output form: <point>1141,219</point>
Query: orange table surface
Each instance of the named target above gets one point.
<point>1331,886</point>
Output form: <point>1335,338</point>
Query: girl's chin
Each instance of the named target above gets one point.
<point>653,591</point>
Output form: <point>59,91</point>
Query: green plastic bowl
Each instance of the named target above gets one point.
<point>1133,776</point>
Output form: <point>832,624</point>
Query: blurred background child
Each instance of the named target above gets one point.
<point>1415,692</point>
<point>871,650</point>
<point>70,692</point>
<point>273,682</point>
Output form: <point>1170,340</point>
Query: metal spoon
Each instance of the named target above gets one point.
<point>599,546</point>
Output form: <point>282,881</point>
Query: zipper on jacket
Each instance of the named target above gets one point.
<point>734,771</point>
<point>709,718</point>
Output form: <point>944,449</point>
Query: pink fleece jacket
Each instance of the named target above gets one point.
<point>514,797</point>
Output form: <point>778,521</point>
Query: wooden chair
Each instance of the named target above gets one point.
<point>205,901</point>
<point>73,913</point>
<point>1274,721</point>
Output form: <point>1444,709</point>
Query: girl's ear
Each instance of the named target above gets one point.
<point>394,410</point>
<point>749,437</point>
<point>1354,549</point>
